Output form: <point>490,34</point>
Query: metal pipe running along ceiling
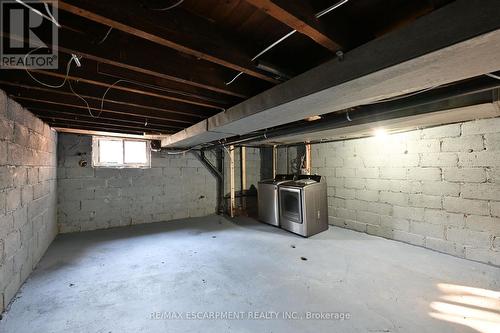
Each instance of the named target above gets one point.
<point>430,52</point>
<point>476,91</point>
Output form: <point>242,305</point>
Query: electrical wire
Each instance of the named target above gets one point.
<point>106,92</point>
<point>317,15</point>
<point>84,100</point>
<point>273,45</point>
<point>179,152</point>
<point>234,78</point>
<point>172,91</point>
<point>68,67</point>
<point>105,36</point>
<point>137,83</point>
<point>493,76</point>
<point>178,3</point>
<point>329,9</point>
<point>50,17</point>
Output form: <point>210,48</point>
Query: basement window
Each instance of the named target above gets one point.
<point>110,152</point>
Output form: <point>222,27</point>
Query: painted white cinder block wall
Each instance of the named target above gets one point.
<point>27,194</point>
<point>438,187</point>
<point>175,187</point>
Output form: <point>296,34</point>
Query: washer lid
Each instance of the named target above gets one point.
<point>299,183</point>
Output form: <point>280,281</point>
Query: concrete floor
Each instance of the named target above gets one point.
<point>113,280</point>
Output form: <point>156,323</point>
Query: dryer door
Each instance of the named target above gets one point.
<point>290,204</point>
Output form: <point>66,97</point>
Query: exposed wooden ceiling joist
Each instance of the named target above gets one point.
<point>162,63</point>
<point>61,125</point>
<point>177,30</point>
<point>299,16</point>
<point>83,110</point>
<point>71,114</point>
<point>185,90</point>
<point>431,52</point>
<point>94,96</point>
<point>181,59</point>
<point>26,94</point>
<point>102,122</point>
<point>109,133</point>
<point>87,77</point>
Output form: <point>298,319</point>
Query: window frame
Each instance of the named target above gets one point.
<point>96,163</point>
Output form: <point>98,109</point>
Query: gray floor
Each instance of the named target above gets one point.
<point>117,280</point>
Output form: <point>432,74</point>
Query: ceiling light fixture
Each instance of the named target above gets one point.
<point>313,118</point>
<point>380,133</point>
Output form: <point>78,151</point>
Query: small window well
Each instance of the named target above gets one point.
<point>120,153</point>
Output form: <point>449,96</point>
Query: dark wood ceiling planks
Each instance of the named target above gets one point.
<point>175,64</point>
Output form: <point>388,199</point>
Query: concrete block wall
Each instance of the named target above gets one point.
<point>176,186</point>
<point>253,168</point>
<point>287,158</point>
<point>438,188</point>
<point>27,194</point>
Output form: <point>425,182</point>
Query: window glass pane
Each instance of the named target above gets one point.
<point>111,151</point>
<point>136,152</point>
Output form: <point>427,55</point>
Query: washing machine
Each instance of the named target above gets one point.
<point>268,199</point>
<point>303,205</point>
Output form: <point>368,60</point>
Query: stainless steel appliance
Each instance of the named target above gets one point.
<point>303,205</point>
<point>268,199</point>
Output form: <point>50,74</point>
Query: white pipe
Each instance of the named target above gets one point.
<point>329,9</point>
<point>36,11</point>
<point>317,15</point>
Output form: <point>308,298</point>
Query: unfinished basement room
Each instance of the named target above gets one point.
<point>250,166</point>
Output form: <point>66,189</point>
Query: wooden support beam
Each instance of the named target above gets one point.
<point>220,100</point>
<point>83,109</point>
<point>89,73</point>
<point>125,87</point>
<point>27,88</point>
<point>243,169</point>
<point>27,93</point>
<point>108,133</point>
<point>105,123</point>
<point>429,53</point>
<point>71,114</point>
<point>158,62</point>
<point>67,127</point>
<point>231,180</point>
<point>243,157</point>
<point>308,158</point>
<point>176,30</point>
<point>299,16</point>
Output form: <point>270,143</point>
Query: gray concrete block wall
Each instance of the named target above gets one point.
<point>175,187</point>
<point>287,160</point>
<point>438,188</point>
<point>27,194</point>
<point>253,168</point>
